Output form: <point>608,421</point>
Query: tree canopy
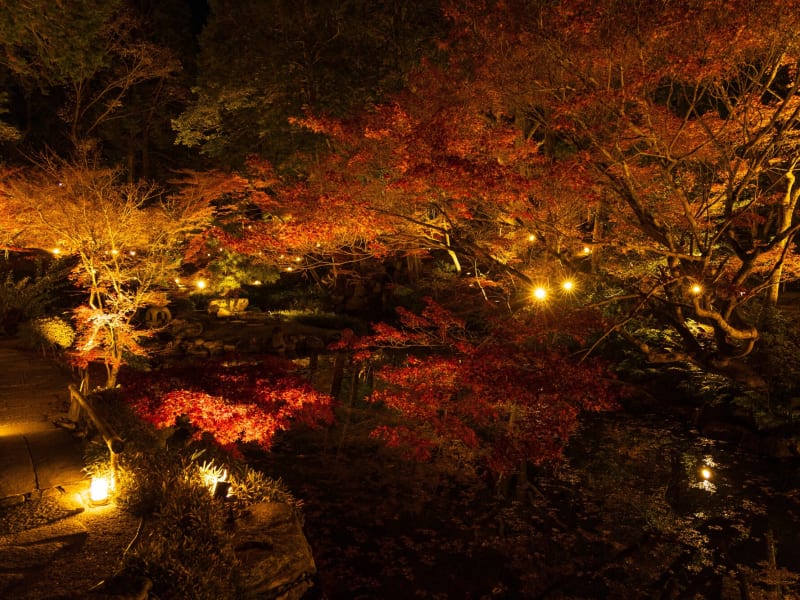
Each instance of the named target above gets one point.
<point>644,155</point>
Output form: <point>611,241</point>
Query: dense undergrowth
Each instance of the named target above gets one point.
<point>185,542</point>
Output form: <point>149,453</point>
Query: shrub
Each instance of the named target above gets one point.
<point>185,547</point>
<point>22,299</point>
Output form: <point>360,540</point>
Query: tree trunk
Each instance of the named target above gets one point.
<point>112,372</point>
<point>131,161</point>
<point>414,267</point>
<point>453,255</point>
<point>597,235</point>
<point>337,375</point>
<point>772,566</point>
<point>348,410</point>
<point>145,166</point>
<point>787,210</point>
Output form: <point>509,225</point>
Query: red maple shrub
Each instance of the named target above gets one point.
<point>233,402</point>
<point>507,395</point>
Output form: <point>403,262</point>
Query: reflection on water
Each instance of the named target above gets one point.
<point>717,521</point>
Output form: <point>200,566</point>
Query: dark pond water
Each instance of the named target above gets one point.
<point>630,514</point>
<point>715,520</point>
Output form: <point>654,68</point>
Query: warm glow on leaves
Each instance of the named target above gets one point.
<point>669,138</point>
<point>505,397</point>
<point>234,404</point>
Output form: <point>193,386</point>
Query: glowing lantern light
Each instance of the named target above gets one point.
<point>587,250</point>
<point>56,251</point>
<point>705,473</point>
<point>99,489</point>
<point>531,237</point>
<point>215,478</point>
<point>201,284</point>
<point>212,476</point>
<point>568,285</point>
<point>697,288</point>
<point>539,293</point>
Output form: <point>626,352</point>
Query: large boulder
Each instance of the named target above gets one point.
<point>227,307</point>
<point>275,557</point>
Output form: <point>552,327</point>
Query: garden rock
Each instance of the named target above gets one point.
<point>276,559</point>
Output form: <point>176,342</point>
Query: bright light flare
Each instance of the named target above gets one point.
<point>531,237</point>
<point>100,489</point>
<point>201,284</point>
<point>540,293</point>
<point>211,475</point>
<point>705,473</point>
<point>568,285</point>
<point>696,288</point>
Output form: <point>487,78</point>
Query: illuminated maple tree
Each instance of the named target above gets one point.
<point>125,240</point>
<point>590,138</point>
<point>619,135</point>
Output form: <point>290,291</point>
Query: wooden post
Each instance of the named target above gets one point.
<point>79,404</point>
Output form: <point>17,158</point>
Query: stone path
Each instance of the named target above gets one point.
<point>43,523</point>
<point>55,546</point>
<point>36,456</point>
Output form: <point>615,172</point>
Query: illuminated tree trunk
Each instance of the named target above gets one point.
<point>414,267</point>
<point>787,210</point>
<point>453,255</point>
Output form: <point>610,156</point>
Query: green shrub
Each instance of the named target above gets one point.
<point>185,547</point>
<point>22,299</point>
<point>186,552</point>
<point>55,331</point>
